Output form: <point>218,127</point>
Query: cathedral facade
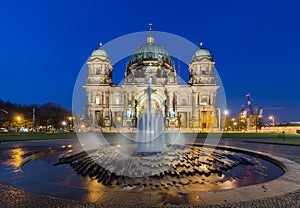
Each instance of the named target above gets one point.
<point>187,107</point>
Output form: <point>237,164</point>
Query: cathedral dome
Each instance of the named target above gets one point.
<point>151,48</point>
<point>150,51</point>
<point>100,52</point>
<point>201,52</point>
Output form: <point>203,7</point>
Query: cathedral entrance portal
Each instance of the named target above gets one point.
<point>156,105</point>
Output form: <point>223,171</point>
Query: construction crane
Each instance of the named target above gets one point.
<point>255,117</point>
<point>249,103</point>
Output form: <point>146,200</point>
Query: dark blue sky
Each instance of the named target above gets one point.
<point>256,45</point>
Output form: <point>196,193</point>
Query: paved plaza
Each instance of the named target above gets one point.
<point>13,197</point>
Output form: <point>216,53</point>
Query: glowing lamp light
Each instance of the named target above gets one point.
<point>226,112</point>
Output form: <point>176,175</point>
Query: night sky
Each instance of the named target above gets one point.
<point>256,45</point>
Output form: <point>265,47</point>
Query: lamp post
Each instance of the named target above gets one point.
<point>64,123</point>
<point>226,113</point>
<point>18,119</point>
<point>233,123</point>
<point>70,118</point>
<point>272,119</point>
<point>219,119</point>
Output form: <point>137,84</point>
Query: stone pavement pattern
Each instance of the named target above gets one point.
<point>13,198</point>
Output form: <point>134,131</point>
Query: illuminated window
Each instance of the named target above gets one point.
<point>97,100</point>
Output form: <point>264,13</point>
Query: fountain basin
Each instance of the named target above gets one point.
<point>38,175</point>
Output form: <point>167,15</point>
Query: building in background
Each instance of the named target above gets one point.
<point>183,106</point>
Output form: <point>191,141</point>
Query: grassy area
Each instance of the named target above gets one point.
<point>12,137</point>
<point>249,135</point>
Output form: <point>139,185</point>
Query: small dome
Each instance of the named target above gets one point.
<point>100,52</point>
<point>201,52</point>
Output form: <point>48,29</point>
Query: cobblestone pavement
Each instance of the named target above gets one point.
<point>13,198</point>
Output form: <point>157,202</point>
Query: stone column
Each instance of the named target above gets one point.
<point>93,117</point>
<point>174,100</point>
<point>101,98</point>
<point>170,101</point>
<point>107,99</point>
<point>125,102</point>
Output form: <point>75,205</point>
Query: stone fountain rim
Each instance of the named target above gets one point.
<point>258,154</point>
<point>284,184</point>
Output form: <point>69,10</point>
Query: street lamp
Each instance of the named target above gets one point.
<point>18,119</point>
<point>234,125</point>
<point>219,119</point>
<point>70,118</point>
<point>226,113</point>
<point>64,124</point>
<point>272,119</point>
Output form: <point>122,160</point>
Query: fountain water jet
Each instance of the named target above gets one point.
<point>150,134</point>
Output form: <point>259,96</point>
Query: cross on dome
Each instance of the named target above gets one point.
<point>150,38</point>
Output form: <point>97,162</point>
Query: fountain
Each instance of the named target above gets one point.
<point>150,134</point>
<point>105,175</point>
<point>155,164</point>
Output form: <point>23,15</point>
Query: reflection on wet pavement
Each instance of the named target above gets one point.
<point>17,157</point>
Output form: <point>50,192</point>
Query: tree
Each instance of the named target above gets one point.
<point>48,114</point>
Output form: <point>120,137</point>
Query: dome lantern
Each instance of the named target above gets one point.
<point>150,38</point>
<point>100,52</point>
<point>201,52</point>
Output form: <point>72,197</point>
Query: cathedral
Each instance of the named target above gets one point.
<point>184,107</point>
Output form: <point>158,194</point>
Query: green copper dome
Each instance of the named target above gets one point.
<point>151,48</point>
<point>201,52</point>
<point>150,51</point>
<point>100,52</point>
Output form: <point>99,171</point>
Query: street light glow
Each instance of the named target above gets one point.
<point>272,119</point>
<point>18,118</point>
<point>226,112</point>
